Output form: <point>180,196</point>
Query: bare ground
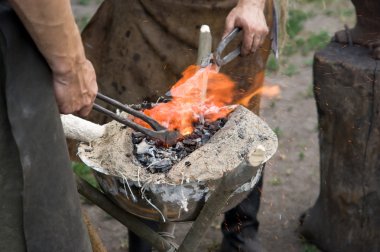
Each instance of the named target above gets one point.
<point>291,182</point>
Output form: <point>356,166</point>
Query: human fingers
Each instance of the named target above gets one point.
<point>84,111</point>
<point>248,38</point>
<point>256,43</point>
<point>229,24</point>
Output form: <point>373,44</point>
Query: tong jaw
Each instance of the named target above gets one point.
<point>161,133</point>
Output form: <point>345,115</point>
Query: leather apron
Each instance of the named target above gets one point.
<point>39,204</point>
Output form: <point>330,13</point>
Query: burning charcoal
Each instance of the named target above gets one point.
<point>143,148</point>
<point>161,166</point>
<point>179,146</point>
<point>157,158</point>
<point>189,141</point>
<point>205,137</point>
<point>137,137</point>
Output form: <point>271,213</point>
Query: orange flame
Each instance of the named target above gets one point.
<point>191,102</point>
<point>266,91</point>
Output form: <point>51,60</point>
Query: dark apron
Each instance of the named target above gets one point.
<point>39,205</point>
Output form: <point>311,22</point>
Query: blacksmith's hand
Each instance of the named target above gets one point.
<point>248,15</point>
<point>76,89</point>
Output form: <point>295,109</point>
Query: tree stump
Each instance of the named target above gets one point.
<point>346,216</point>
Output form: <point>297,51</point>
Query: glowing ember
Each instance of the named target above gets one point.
<point>189,104</point>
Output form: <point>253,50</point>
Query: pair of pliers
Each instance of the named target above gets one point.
<point>159,132</point>
<point>217,56</point>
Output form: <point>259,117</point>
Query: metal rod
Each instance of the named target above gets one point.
<point>154,124</point>
<point>125,218</point>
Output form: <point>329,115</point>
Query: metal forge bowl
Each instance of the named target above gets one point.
<point>180,194</point>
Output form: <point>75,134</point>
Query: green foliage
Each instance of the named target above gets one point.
<point>307,247</point>
<point>82,22</point>
<point>278,132</point>
<point>308,62</point>
<point>272,64</point>
<point>84,2</point>
<point>272,104</point>
<point>275,181</point>
<point>295,22</point>
<point>310,91</point>
<point>316,41</point>
<point>290,70</point>
<point>301,156</point>
<point>84,172</point>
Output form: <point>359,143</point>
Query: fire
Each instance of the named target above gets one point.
<point>266,90</point>
<point>201,94</point>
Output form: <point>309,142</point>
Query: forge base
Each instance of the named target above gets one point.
<point>347,90</point>
<point>113,153</point>
<point>179,194</point>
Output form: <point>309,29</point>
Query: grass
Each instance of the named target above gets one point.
<point>307,247</point>
<point>275,181</point>
<point>308,62</point>
<point>272,64</point>
<point>85,173</point>
<point>82,22</point>
<point>272,104</point>
<point>290,70</point>
<point>310,92</point>
<point>295,22</point>
<point>278,132</point>
<point>301,156</point>
<point>314,42</point>
<point>84,2</point>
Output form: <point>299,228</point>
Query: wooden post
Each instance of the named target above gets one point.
<point>347,91</point>
<point>218,199</point>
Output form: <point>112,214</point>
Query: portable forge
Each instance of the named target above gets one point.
<point>179,194</point>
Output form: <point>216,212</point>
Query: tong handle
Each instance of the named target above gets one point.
<point>124,121</point>
<point>223,44</point>
<point>154,124</point>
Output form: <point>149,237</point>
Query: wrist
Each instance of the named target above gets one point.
<point>68,57</point>
<point>260,4</point>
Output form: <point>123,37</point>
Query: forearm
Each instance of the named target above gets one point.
<point>257,3</point>
<point>52,26</point>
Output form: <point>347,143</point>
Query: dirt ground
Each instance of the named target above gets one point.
<point>291,182</point>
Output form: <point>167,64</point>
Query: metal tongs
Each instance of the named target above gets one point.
<point>159,132</point>
<point>220,61</point>
<point>217,56</point>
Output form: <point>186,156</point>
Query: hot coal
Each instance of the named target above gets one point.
<point>158,158</point>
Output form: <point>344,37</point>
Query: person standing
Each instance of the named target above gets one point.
<point>43,72</point>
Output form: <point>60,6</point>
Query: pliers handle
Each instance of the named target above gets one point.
<point>219,60</point>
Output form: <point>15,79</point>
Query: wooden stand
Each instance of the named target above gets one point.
<point>213,207</point>
<point>346,216</point>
